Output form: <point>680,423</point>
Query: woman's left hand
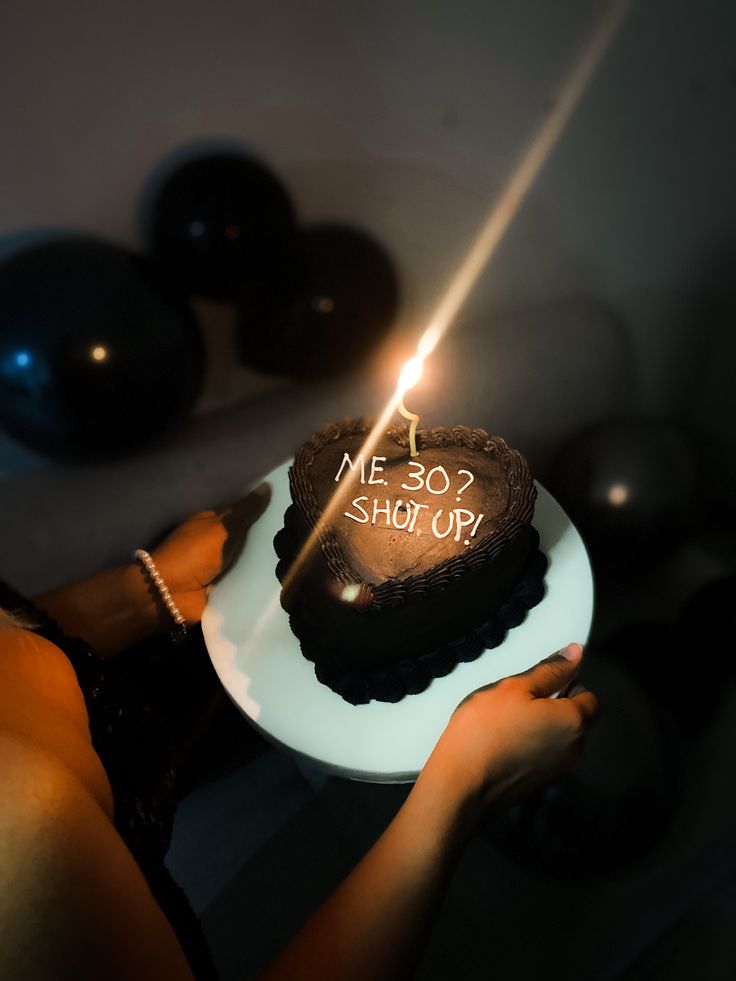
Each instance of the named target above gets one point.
<point>117,608</point>
<point>204,547</point>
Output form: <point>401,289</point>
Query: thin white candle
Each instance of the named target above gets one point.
<point>410,375</point>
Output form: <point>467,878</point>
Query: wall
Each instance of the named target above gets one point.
<point>405,117</point>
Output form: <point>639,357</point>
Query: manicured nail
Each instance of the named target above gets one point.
<point>573,652</point>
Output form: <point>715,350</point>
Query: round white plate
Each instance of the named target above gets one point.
<point>262,669</point>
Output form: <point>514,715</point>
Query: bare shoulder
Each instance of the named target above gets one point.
<point>41,703</point>
<point>73,902</point>
<point>34,784</point>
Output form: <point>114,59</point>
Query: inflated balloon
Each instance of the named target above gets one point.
<point>630,486</point>
<point>662,656</point>
<point>706,629</point>
<point>97,353</point>
<point>326,310</point>
<point>218,223</point>
<point>709,618</point>
<point>620,800</point>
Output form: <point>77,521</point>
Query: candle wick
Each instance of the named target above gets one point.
<point>413,422</point>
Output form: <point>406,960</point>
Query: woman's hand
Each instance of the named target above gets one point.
<point>501,741</point>
<point>204,547</point>
<point>510,738</point>
<point>116,609</point>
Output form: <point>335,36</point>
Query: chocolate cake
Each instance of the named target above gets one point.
<point>395,568</point>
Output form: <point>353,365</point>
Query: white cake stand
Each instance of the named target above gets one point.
<point>262,669</point>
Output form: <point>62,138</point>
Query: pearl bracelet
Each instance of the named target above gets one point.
<point>163,590</point>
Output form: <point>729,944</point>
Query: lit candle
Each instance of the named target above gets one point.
<point>410,375</point>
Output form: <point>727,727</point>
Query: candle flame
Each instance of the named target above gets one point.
<point>410,374</point>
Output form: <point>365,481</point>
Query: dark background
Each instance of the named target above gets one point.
<point>610,303</point>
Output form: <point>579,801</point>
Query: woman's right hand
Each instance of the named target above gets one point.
<point>510,738</point>
<point>501,741</point>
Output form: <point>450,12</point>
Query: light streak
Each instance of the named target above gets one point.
<point>488,238</point>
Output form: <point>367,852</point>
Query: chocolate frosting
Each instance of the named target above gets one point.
<point>412,675</point>
<point>417,604</point>
<point>391,568</point>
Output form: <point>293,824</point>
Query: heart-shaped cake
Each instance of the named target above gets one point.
<point>391,564</point>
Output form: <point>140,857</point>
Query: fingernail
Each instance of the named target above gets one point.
<point>573,652</point>
<point>262,490</point>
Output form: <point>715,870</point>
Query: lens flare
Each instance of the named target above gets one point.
<point>487,240</point>
<point>618,495</point>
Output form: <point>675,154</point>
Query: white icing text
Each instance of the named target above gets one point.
<point>458,522</point>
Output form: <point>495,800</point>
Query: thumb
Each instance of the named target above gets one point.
<point>248,509</point>
<point>237,520</point>
<point>554,672</point>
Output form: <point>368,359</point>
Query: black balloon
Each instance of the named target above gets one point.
<point>97,353</point>
<point>706,630</point>
<point>325,310</point>
<point>218,223</point>
<point>662,656</point>
<point>708,620</point>
<point>631,487</point>
<point>621,799</point>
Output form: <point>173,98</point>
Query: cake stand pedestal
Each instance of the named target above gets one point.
<point>261,667</point>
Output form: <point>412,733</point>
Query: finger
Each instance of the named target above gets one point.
<point>570,688</point>
<point>248,509</point>
<point>586,704</point>
<point>554,672</point>
<point>238,520</point>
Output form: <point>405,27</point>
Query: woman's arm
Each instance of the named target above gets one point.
<point>42,706</point>
<point>501,742</point>
<point>73,902</point>
<point>111,611</point>
<point>119,607</point>
<point>374,926</point>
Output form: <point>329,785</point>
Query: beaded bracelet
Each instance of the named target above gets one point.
<point>163,591</point>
